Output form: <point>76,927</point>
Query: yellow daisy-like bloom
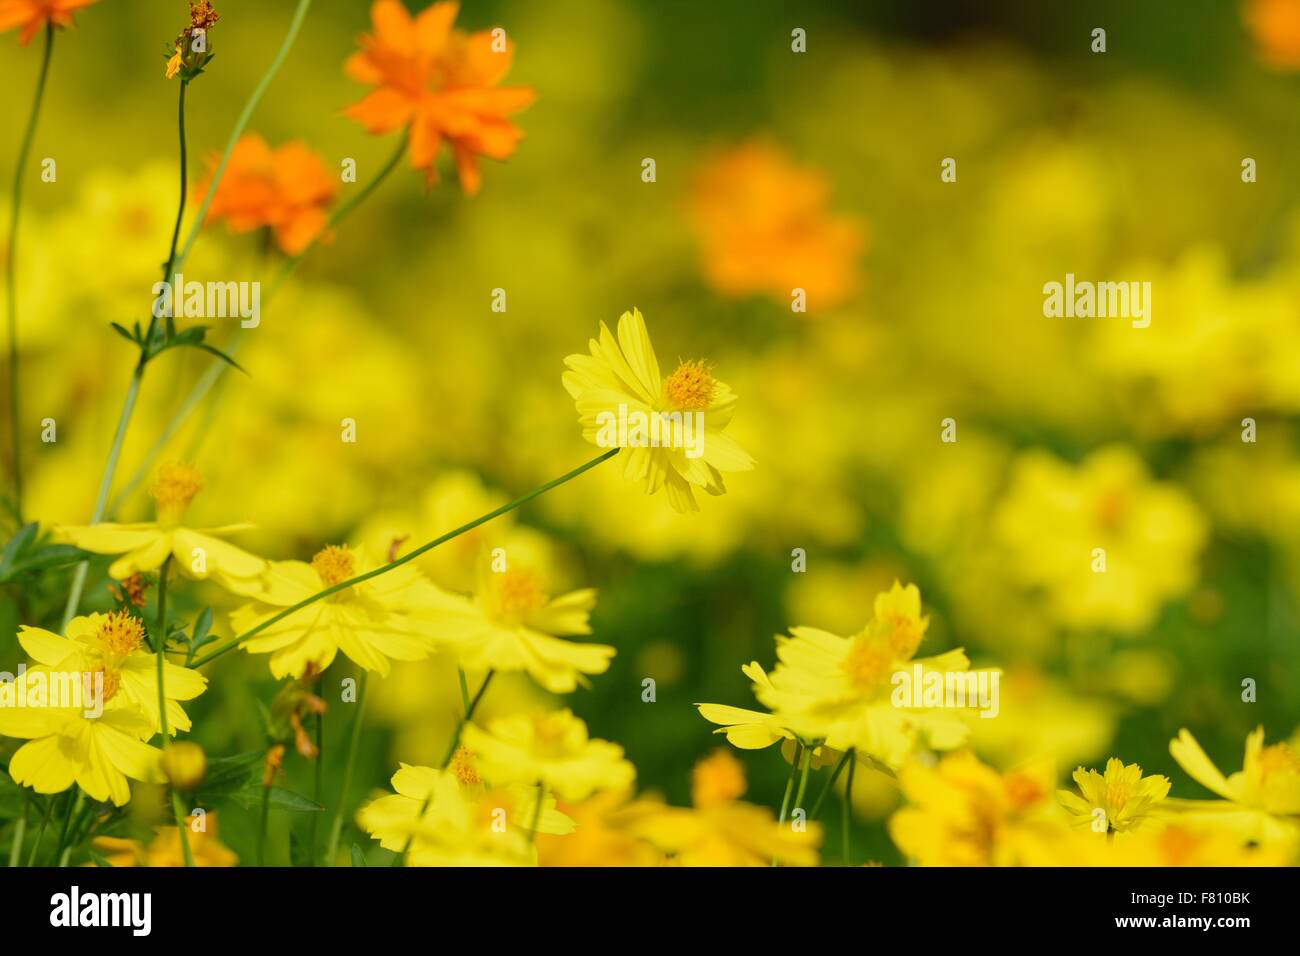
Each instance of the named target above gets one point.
<point>97,749</point>
<point>165,848</point>
<point>454,818</point>
<point>671,428</point>
<point>722,830</point>
<point>1121,798</point>
<point>964,813</point>
<point>370,623</point>
<point>551,748</point>
<point>1263,798</point>
<point>513,624</point>
<point>198,554</point>
<point>605,833</point>
<point>1182,845</point>
<point>840,691</point>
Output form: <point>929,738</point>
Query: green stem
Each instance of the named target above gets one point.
<point>847,810</point>
<point>789,785</point>
<point>839,765</point>
<point>404,559</point>
<point>74,807</point>
<point>263,819</point>
<point>336,831</point>
<point>20,832</point>
<point>537,813</point>
<point>40,834</point>
<point>803,777</point>
<point>11,268</point>
<point>160,649</point>
<point>217,368</point>
<point>319,787</point>
<point>168,273</point>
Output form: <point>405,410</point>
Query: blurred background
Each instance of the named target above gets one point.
<point>774,170</point>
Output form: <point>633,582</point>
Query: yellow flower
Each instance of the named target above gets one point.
<point>453,818</point>
<point>721,830</point>
<point>845,691</point>
<point>145,546</point>
<point>370,622</point>
<point>551,748</point>
<point>1121,799</point>
<point>94,740</point>
<point>1263,798</point>
<point>1120,544</point>
<point>513,624</point>
<point>1181,845</point>
<point>670,427</point>
<point>965,813</point>
<point>165,849</point>
<point>184,764</point>
<point>605,834</point>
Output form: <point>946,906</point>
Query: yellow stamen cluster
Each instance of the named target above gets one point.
<point>518,592</point>
<point>334,564</point>
<point>1278,758</point>
<point>868,661</point>
<point>176,487</point>
<point>120,635</point>
<point>1117,797</point>
<point>462,767</point>
<point>112,683</point>
<point>717,779</point>
<point>902,633</point>
<point>690,388</point>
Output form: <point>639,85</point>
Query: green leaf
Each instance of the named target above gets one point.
<point>281,799</point>
<point>22,537</point>
<point>122,331</point>
<point>358,858</point>
<point>202,633</point>
<point>222,355</point>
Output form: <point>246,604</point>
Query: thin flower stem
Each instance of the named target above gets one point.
<point>846,824</point>
<point>835,774</point>
<point>176,263</point>
<point>451,752</point>
<point>537,813</point>
<point>168,271</point>
<point>40,834</point>
<point>803,778</point>
<point>789,786</point>
<point>74,808</point>
<point>464,689</point>
<point>404,559</point>
<point>217,368</point>
<point>336,830</point>
<point>263,819</point>
<point>319,786</point>
<point>160,649</point>
<point>11,269</point>
<point>20,832</point>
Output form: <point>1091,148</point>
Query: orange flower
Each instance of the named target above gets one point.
<point>764,228</point>
<point>439,83</point>
<point>1275,25</point>
<point>287,189</point>
<point>32,15</point>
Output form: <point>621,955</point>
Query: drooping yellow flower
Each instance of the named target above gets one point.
<point>671,429</point>
<point>1119,800</point>
<point>1263,798</point>
<point>454,818</point>
<point>846,691</point>
<point>722,830</point>
<point>513,624</point>
<point>90,731</point>
<point>964,813</point>
<point>165,848</point>
<point>551,748</point>
<point>198,554</point>
<point>370,622</point>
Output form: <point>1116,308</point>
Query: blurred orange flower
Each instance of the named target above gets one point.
<point>287,189</point>
<point>1275,26</point>
<point>32,15</point>
<point>439,83</point>
<point>764,227</point>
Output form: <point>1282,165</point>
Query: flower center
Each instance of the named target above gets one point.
<point>1023,791</point>
<point>1278,759</point>
<point>111,682</point>
<point>1116,797</point>
<point>690,388</point>
<point>462,766</point>
<point>518,592</point>
<point>902,634</point>
<point>334,564</point>
<point>119,636</point>
<point>175,488</point>
<point>868,661</point>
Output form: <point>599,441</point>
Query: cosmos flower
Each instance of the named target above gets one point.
<point>763,226</point>
<point>371,622</point>
<point>1275,27</point>
<point>670,428</point>
<point>287,190</point>
<point>165,848</point>
<point>33,15</point>
<point>441,85</point>
<point>199,554</point>
<point>1121,798</point>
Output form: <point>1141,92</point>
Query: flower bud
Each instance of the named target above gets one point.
<point>184,764</point>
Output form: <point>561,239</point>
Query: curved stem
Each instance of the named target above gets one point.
<point>847,810</point>
<point>40,834</point>
<point>169,270</point>
<point>11,268</point>
<point>839,765</point>
<point>404,559</point>
<point>336,830</point>
<point>20,832</point>
<point>160,651</point>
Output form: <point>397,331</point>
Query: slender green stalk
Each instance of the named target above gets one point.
<point>451,752</point>
<point>40,834</point>
<point>20,833</point>
<point>74,807</point>
<point>11,269</point>
<point>168,271</point>
<point>319,786</point>
<point>846,824</point>
<point>464,690</point>
<point>176,263</point>
<point>803,777</point>
<point>537,813</point>
<point>213,373</point>
<point>404,559</point>
<point>263,819</point>
<point>789,786</point>
<point>336,830</point>
<point>160,655</point>
<point>839,765</point>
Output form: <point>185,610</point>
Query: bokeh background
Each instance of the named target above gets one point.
<point>774,169</point>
